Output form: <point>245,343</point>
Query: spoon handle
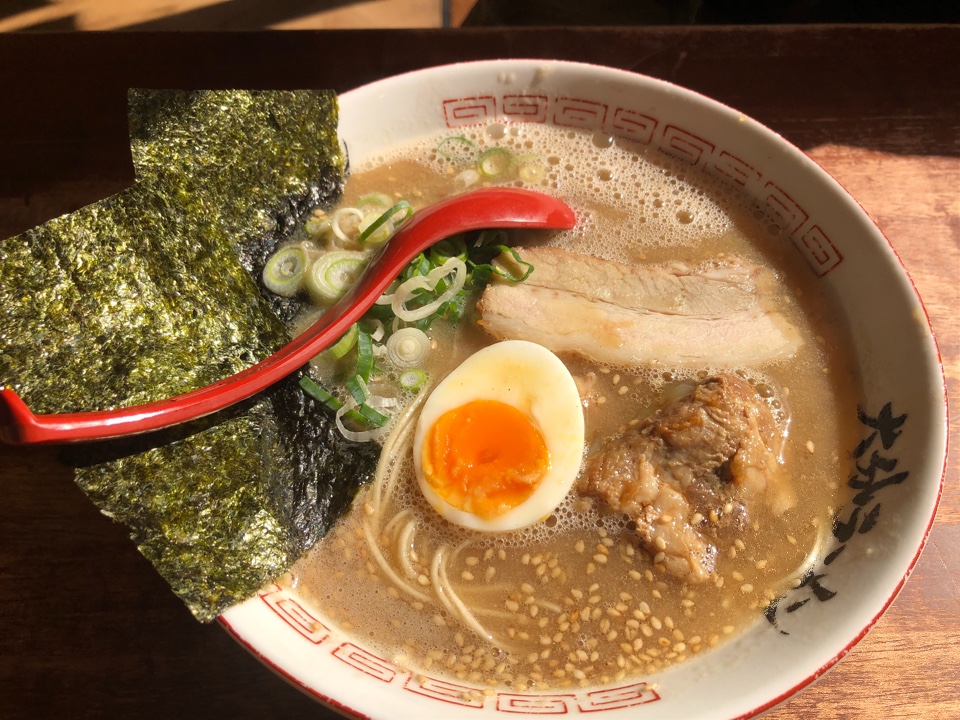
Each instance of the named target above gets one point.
<point>486,208</point>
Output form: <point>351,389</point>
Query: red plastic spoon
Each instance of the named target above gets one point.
<point>487,208</point>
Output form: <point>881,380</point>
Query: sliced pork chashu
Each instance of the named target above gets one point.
<point>698,463</point>
<point>635,315</point>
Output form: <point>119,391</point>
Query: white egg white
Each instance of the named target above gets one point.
<point>535,381</point>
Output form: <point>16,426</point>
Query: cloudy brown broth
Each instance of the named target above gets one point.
<point>576,601</point>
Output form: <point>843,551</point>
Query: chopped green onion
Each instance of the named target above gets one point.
<point>457,150</point>
<point>413,379</point>
<point>373,417</point>
<point>314,226</point>
<point>364,353</point>
<point>357,389</point>
<point>334,273</point>
<point>344,345</point>
<point>373,228</point>
<point>408,347</point>
<point>436,281</point>
<point>377,200</point>
<point>363,415</point>
<point>445,249</point>
<point>531,173</point>
<point>344,223</point>
<point>285,270</point>
<point>318,393</point>
<point>491,237</point>
<point>500,270</point>
<point>495,162</point>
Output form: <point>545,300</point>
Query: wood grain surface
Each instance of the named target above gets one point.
<point>88,630</point>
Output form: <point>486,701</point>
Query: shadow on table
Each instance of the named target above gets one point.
<point>514,13</point>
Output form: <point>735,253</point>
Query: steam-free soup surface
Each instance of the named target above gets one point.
<point>575,600</point>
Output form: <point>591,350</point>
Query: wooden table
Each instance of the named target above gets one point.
<point>88,630</point>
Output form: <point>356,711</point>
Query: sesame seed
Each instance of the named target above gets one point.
<point>623,390</point>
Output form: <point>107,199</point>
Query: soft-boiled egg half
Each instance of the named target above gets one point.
<point>499,442</point>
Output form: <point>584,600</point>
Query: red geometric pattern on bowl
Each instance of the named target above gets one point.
<point>642,127</point>
<point>366,662</point>
<point>445,690</point>
<point>305,623</point>
<point>294,614</point>
<point>559,704</point>
<point>614,698</point>
<point>577,113</point>
<point>525,108</point>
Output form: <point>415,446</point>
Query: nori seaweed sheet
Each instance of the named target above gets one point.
<point>153,292</point>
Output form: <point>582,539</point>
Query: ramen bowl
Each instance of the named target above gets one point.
<point>876,537</point>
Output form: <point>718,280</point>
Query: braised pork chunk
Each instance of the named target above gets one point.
<point>696,464</point>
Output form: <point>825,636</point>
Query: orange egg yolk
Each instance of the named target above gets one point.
<point>484,457</point>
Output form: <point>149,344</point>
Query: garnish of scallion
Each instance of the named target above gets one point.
<point>374,229</point>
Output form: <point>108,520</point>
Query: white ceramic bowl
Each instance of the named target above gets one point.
<point>881,532</point>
